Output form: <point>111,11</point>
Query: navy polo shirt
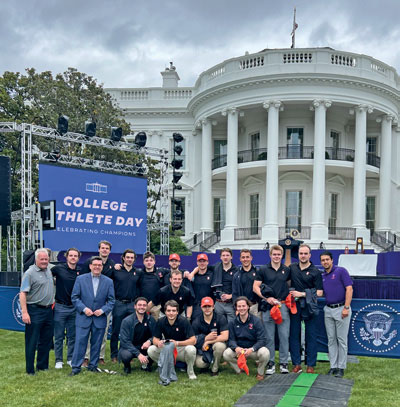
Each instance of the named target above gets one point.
<point>65,280</point>
<point>150,284</point>
<point>183,297</point>
<point>218,322</point>
<point>180,330</point>
<point>202,286</point>
<point>126,283</point>
<point>276,279</point>
<point>306,278</point>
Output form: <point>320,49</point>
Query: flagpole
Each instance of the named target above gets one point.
<point>294,29</point>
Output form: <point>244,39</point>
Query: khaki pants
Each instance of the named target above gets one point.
<point>186,354</point>
<point>262,355</point>
<point>218,350</point>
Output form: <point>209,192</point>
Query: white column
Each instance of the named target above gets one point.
<point>206,178</point>
<point>360,162</point>
<point>319,230</point>
<point>270,230</point>
<point>385,174</point>
<point>228,233</point>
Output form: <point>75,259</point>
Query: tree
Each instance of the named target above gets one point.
<point>40,98</point>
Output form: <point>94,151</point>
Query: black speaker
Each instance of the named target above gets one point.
<point>5,191</point>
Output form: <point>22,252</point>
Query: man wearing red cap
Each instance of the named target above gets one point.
<point>211,332</point>
<point>275,276</point>
<point>201,283</point>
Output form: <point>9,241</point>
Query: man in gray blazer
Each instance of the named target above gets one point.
<point>93,298</point>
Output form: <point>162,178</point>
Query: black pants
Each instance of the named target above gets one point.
<point>120,312</point>
<point>126,356</point>
<point>38,335</point>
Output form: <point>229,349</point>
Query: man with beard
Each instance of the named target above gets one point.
<point>338,291</point>
<point>243,280</point>
<point>126,285</point>
<point>136,336</point>
<point>212,333</point>
<point>64,311</point>
<point>307,285</point>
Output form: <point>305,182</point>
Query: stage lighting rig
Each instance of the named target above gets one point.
<point>90,128</point>
<point>177,163</point>
<point>116,133</point>
<point>141,139</point>
<point>62,125</point>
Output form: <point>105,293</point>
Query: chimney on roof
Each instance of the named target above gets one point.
<point>170,77</point>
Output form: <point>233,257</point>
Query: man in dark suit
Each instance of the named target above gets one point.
<point>93,298</point>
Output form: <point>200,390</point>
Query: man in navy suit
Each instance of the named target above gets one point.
<point>93,298</point>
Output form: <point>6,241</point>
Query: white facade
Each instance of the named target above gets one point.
<point>304,139</point>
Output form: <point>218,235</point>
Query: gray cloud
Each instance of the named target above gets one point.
<point>128,42</point>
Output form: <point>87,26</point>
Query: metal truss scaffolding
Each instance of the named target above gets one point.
<point>26,216</point>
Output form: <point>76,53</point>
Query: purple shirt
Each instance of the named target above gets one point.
<point>335,284</point>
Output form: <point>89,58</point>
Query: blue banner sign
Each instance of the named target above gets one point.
<point>374,328</point>
<point>93,206</point>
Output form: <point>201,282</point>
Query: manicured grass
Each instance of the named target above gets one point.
<point>376,384</point>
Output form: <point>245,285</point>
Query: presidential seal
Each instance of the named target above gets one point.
<point>372,328</point>
<point>16,310</point>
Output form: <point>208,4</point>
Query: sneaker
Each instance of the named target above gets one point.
<point>59,365</point>
<point>332,372</point>
<point>339,373</point>
<point>192,376</point>
<point>297,369</point>
<point>283,368</point>
<point>69,363</point>
<point>270,368</point>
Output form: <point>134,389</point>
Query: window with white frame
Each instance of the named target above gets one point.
<point>255,145</point>
<point>333,209</point>
<point>219,214</point>
<point>293,210</point>
<point>254,213</point>
<point>370,213</point>
<point>295,142</point>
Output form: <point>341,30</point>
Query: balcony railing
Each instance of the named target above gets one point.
<point>305,232</point>
<point>291,152</point>
<point>341,233</point>
<point>251,233</point>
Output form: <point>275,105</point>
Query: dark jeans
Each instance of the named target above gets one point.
<point>295,339</point>
<point>38,335</point>
<point>64,319</point>
<point>120,312</point>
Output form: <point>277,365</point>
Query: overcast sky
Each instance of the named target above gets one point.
<point>126,43</point>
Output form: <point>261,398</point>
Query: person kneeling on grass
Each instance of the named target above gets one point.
<point>136,336</point>
<point>173,332</point>
<point>211,332</point>
<point>246,336</point>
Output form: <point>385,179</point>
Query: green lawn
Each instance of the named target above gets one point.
<point>376,384</point>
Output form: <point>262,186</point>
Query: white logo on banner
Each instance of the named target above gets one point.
<point>16,309</point>
<point>97,188</point>
<point>371,328</point>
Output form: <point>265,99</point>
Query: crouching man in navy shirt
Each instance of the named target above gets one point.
<point>246,336</point>
<point>211,332</point>
<point>136,336</point>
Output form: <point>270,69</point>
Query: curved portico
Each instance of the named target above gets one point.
<point>287,139</point>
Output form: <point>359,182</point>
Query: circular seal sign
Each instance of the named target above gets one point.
<point>373,329</point>
<point>16,310</point>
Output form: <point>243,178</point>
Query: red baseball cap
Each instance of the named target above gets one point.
<point>207,301</point>
<point>174,256</point>
<point>202,256</point>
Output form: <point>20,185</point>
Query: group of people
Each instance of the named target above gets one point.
<point>164,315</point>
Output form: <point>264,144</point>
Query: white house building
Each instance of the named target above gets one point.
<point>281,140</point>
